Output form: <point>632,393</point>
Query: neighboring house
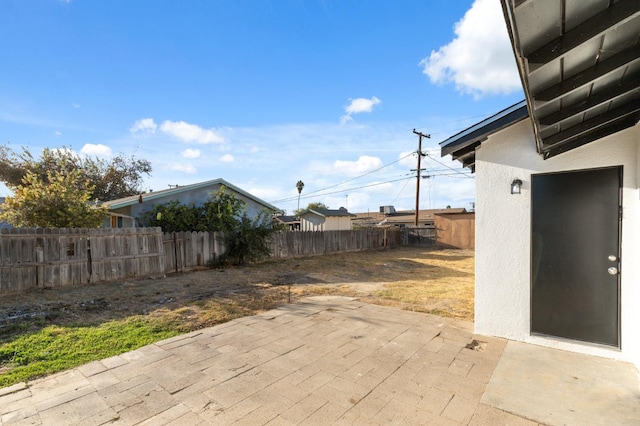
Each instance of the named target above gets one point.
<point>290,223</point>
<point>388,216</point>
<point>124,212</point>
<point>557,183</point>
<point>325,220</point>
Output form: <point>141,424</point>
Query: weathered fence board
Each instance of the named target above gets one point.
<point>31,258</point>
<point>184,251</point>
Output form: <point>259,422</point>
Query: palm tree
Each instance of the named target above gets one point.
<point>299,185</point>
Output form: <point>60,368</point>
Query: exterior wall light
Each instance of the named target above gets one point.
<point>516,186</point>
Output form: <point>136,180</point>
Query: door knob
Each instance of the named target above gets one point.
<point>612,257</point>
<point>612,271</point>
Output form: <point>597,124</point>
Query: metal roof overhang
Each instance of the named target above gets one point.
<point>462,146</point>
<point>579,61</point>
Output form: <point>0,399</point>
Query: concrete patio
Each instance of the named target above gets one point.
<point>333,360</point>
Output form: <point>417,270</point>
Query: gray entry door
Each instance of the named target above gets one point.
<point>575,255</point>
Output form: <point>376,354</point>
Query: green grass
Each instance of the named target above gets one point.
<point>57,348</point>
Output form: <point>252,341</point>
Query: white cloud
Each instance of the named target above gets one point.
<point>58,133</point>
<point>479,60</point>
<point>357,106</point>
<point>364,164</point>
<point>188,133</point>
<point>146,125</point>
<point>361,105</point>
<point>98,150</point>
<point>227,158</point>
<point>75,105</point>
<point>190,153</point>
<point>254,149</point>
<point>185,168</point>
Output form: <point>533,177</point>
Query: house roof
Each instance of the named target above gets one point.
<point>462,146</point>
<point>150,196</point>
<point>328,212</point>
<point>401,216</point>
<point>287,219</point>
<point>579,62</point>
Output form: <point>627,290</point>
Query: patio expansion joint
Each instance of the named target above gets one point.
<point>391,374</point>
<point>253,367</point>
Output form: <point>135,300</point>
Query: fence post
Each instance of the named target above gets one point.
<point>89,264</point>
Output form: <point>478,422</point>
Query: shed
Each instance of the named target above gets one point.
<point>325,220</point>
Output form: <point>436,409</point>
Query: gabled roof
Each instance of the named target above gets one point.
<point>150,196</point>
<point>579,62</point>
<point>328,212</point>
<point>462,146</point>
<point>287,219</point>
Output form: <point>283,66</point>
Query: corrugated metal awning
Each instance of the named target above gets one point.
<point>579,61</point>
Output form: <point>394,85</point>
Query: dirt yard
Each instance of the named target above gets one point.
<point>432,281</point>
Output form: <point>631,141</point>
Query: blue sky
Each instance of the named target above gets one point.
<point>260,93</point>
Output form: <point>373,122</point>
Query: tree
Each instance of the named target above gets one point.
<point>223,211</point>
<point>248,241</point>
<point>299,186</point>
<point>60,201</point>
<point>173,217</point>
<point>108,179</point>
<point>312,206</point>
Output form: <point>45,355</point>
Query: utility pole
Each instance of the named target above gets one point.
<point>418,170</point>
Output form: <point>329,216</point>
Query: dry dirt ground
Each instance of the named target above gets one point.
<point>432,281</point>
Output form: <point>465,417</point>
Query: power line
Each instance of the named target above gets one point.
<point>358,187</point>
<point>403,187</point>
<point>451,168</point>
<point>343,182</point>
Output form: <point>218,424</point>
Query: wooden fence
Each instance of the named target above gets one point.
<point>307,243</point>
<point>48,258</point>
<point>184,251</point>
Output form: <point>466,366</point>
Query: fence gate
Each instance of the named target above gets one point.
<point>424,237</point>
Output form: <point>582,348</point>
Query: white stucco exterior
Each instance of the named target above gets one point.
<point>503,234</point>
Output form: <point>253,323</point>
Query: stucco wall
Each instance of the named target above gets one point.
<point>455,230</point>
<point>503,229</point>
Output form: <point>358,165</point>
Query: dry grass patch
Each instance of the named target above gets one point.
<point>441,283</point>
